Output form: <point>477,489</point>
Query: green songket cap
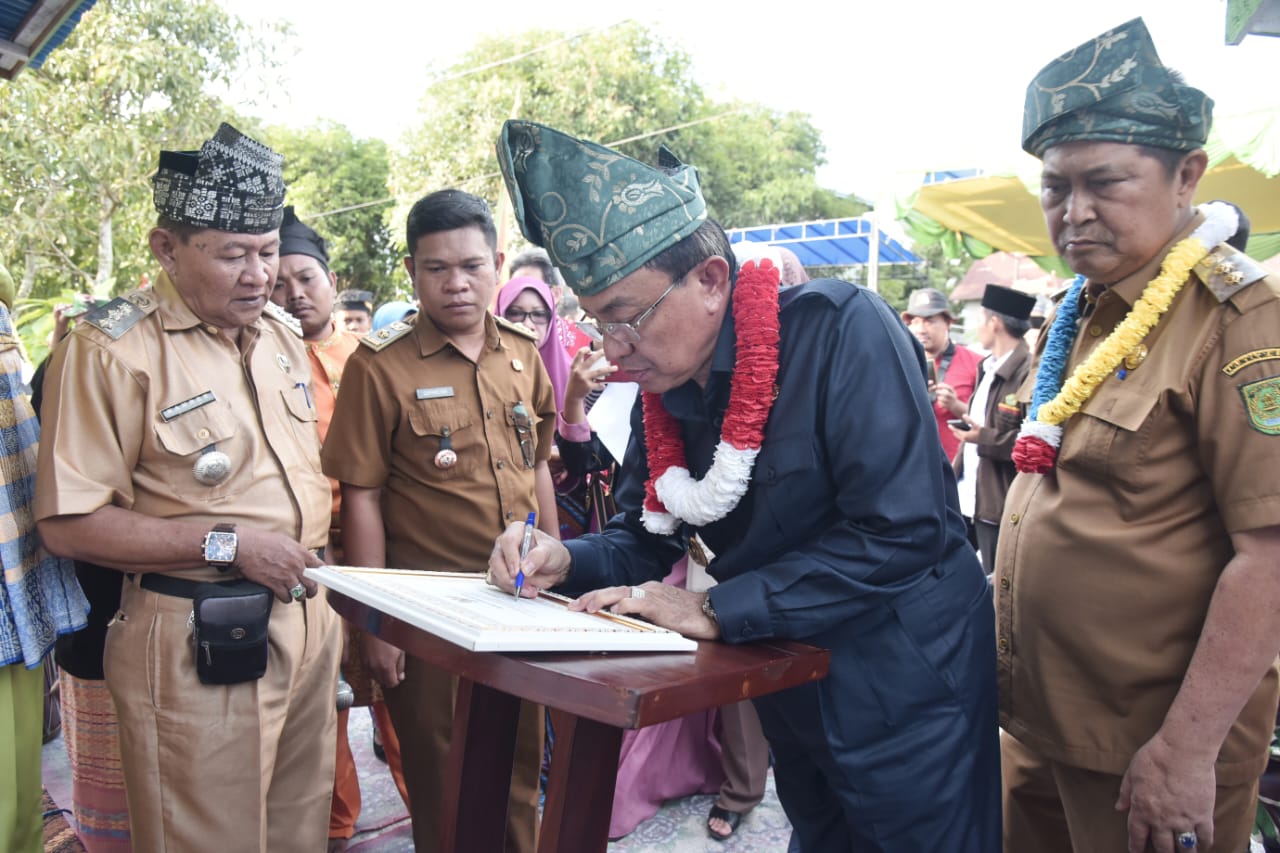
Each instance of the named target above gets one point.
<point>599,214</point>
<point>1114,88</point>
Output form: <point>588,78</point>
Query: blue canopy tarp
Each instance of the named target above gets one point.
<point>828,242</point>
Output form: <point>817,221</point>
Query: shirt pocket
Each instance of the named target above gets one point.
<point>303,417</point>
<point>185,438</point>
<point>1111,440</point>
<point>438,426</point>
<point>786,480</point>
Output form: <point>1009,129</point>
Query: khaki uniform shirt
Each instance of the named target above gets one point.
<point>115,432</point>
<point>397,407</point>
<point>1106,567</point>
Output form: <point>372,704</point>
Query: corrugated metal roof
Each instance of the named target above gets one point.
<point>31,29</point>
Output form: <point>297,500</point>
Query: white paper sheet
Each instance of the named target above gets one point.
<point>610,417</point>
<point>464,609</point>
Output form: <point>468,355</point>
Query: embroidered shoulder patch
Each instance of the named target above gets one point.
<point>379,340</point>
<point>280,315</point>
<point>1262,402</point>
<point>522,331</point>
<point>1240,363</point>
<point>1226,271</point>
<point>120,314</point>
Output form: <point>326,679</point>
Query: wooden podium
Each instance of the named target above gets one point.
<point>592,698</point>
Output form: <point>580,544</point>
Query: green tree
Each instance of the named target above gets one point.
<point>79,137</point>
<point>622,86</point>
<point>332,177</point>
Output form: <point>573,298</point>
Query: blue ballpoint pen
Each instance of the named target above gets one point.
<point>529,524</point>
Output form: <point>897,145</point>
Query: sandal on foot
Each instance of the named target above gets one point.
<point>731,818</point>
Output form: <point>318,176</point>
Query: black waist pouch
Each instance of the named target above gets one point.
<point>230,636</point>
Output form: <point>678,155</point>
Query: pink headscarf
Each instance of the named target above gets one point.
<point>554,357</point>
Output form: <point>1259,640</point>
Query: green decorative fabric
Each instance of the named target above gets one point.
<point>1114,88</point>
<point>599,214</point>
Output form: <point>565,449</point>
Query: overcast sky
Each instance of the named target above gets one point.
<point>896,87</point>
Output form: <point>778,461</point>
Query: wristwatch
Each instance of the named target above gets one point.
<point>709,611</point>
<point>220,546</point>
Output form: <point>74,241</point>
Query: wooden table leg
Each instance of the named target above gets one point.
<point>584,769</point>
<point>481,758</point>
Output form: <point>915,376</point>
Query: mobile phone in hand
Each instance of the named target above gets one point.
<point>958,423</point>
<point>590,331</point>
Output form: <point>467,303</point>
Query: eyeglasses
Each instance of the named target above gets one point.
<point>629,333</point>
<point>540,317</point>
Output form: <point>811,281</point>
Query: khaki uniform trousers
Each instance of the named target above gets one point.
<point>1050,807</point>
<point>243,767</point>
<point>744,755</point>
<point>421,708</point>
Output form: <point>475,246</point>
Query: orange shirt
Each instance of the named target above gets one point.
<point>328,357</point>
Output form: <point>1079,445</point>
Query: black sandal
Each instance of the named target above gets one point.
<point>731,818</point>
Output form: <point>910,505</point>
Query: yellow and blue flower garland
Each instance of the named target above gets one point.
<point>1054,401</point>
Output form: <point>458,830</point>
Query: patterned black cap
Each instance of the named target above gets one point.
<point>231,184</point>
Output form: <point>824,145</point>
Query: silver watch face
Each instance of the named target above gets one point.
<point>219,546</point>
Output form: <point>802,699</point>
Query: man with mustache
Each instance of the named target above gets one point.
<point>440,439</point>
<point>180,447</point>
<point>1138,602</point>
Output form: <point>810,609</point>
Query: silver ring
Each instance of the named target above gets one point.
<point>297,591</point>
<point>1187,840</point>
<point>637,592</point>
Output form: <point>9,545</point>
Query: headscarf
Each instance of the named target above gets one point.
<point>554,357</point>
<point>599,214</point>
<point>391,312</point>
<point>792,270</point>
<point>1114,88</point>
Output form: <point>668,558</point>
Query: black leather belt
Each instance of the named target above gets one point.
<point>166,585</point>
<point>183,588</point>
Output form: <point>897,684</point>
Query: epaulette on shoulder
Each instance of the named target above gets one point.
<point>1058,295</point>
<point>1226,271</point>
<point>121,314</point>
<point>388,334</point>
<point>280,315</point>
<point>525,331</point>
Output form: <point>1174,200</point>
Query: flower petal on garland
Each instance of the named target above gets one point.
<point>1055,400</point>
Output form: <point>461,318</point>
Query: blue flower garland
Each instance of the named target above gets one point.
<point>1057,349</point>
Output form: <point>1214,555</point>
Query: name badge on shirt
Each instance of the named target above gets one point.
<point>178,409</point>
<point>435,393</point>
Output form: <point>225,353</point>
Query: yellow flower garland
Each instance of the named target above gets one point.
<point>1156,298</point>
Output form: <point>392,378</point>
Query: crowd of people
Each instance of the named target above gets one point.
<point>1075,650</point>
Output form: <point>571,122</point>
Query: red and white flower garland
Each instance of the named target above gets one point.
<point>672,495</point>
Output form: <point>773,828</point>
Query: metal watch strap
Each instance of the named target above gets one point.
<point>709,610</point>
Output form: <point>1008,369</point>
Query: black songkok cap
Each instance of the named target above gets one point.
<point>298,238</point>
<point>356,299</point>
<point>231,184</point>
<point>1007,301</point>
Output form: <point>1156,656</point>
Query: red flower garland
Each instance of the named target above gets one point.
<point>755,314</point>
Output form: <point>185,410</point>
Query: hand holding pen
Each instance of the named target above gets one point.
<point>525,554</point>
<point>530,525</point>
